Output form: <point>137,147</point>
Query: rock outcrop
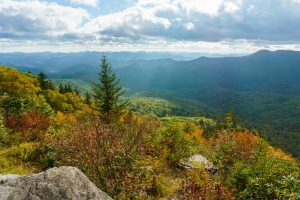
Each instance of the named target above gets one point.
<point>196,161</point>
<point>63,183</point>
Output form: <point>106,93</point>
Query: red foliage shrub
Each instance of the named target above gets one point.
<point>28,121</point>
<point>205,189</point>
<point>107,153</point>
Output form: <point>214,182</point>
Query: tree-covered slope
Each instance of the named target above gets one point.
<point>262,88</point>
<point>137,156</point>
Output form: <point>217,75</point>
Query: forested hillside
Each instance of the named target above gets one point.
<point>141,152</point>
<point>262,89</point>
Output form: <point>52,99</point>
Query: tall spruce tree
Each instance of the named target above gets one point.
<point>45,84</point>
<point>43,80</point>
<point>107,92</point>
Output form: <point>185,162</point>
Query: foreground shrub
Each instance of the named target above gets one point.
<point>199,184</point>
<point>109,154</point>
<point>179,143</point>
<point>267,179</point>
<point>25,158</point>
<point>29,121</point>
<point>252,168</point>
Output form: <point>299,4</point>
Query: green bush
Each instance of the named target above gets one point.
<point>27,152</point>
<point>165,186</point>
<point>180,146</point>
<point>25,158</point>
<point>269,178</point>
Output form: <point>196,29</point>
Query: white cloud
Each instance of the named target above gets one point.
<point>134,22</point>
<point>250,8</point>
<point>193,24</point>
<point>34,19</point>
<point>209,7</point>
<point>231,7</point>
<point>92,3</point>
<point>189,26</point>
<point>296,1</point>
<point>205,20</point>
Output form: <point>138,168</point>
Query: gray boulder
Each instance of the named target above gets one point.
<point>66,183</point>
<point>197,161</point>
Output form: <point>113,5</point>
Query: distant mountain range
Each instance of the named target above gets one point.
<point>55,62</point>
<point>262,88</point>
<point>263,71</point>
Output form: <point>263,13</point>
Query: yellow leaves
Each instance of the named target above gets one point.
<point>62,119</point>
<point>22,84</point>
<point>196,135</point>
<point>166,186</point>
<point>278,153</point>
<point>68,102</point>
<point>15,160</point>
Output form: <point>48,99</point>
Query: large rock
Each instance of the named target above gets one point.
<point>197,161</point>
<point>66,183</point>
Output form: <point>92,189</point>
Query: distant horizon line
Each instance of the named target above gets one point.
<point>151,51</point>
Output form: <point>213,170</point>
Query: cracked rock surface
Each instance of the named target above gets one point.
<point>63,183</point>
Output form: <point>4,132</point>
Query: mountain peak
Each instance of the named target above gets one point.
<point>262,52</point>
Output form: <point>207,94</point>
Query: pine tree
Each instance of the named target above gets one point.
<point>61,89</point>
<point>88,98</point>
<point>67,88</point>
<point>50,85</point>
<point>107,92</point>
<point>43,81</point>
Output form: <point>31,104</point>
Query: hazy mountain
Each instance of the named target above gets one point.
<point>264,71</point>
<point>56,62</point>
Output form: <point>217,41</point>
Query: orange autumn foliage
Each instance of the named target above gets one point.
<point>31,120</point>
<point>245,144</point>
<point>64,119</point>
<point>234,146</point>
<point>197,135</point>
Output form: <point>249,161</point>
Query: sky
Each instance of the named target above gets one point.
<point>210,26</point>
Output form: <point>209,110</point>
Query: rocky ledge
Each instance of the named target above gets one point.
<point>197,161</point>
<point>66,183</point>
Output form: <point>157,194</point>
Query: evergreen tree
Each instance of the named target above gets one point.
<point>43,81</point>
<point>88,98</point>
<point>107,92</point>
<point>61,89</point>
<point>50,85</point>
<point>68,88</point>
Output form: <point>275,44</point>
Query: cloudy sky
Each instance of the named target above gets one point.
<point>212,26</point>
